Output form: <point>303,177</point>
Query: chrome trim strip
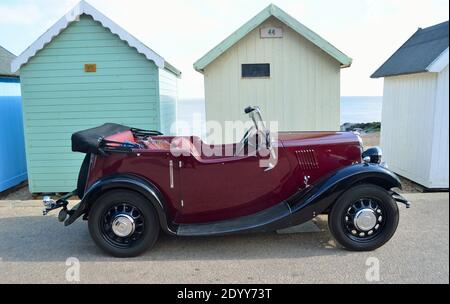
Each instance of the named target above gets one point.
<point>171,174</point>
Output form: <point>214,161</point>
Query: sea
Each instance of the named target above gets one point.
<point>354,109</point>
<point>361,109</point>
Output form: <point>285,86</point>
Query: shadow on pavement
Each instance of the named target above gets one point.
<point>36,238</point>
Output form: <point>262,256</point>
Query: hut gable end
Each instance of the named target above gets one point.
<point>270,12</point>
<point>273,62</point>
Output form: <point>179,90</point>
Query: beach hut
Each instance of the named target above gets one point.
<point>83,72</point>
<point>279,64</point>
<point>414,127</point>
<point>13,169</point>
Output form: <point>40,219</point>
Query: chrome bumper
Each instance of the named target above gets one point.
<point>401,199</point>
<point>50,205</point>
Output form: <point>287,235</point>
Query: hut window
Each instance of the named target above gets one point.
<point>255,70</point>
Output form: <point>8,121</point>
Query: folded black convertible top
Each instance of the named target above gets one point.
<point>90,141</point>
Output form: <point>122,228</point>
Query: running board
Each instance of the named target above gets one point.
<point>260,221</point>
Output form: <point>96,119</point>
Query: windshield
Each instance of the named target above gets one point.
<point>255,115</point>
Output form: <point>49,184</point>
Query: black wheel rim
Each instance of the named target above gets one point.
<point>122,210</point>
<point>368,205</point>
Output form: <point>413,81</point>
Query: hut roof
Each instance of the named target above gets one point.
<point>272,10</point>
<point>85,8</point>
<point>6,57</point>
<point>425,51</point>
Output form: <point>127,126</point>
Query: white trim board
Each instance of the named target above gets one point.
<point>439,64</point>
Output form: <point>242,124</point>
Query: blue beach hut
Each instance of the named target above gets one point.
<point>13,169</point>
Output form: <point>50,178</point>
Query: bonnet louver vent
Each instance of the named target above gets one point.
<point>307,159</point>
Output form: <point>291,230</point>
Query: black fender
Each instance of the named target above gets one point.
<point>123,181</point>
<point>319,198</point>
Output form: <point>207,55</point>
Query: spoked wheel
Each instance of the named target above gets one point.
<point>364,218</point>
<point>123,223</point>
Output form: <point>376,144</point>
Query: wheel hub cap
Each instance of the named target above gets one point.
<point>123,225</point>
<point>365,219</point>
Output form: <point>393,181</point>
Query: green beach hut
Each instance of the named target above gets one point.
<point>83,72</point>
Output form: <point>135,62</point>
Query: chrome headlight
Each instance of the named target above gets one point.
<point>372,155</point>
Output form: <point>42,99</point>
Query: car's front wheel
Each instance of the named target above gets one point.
<point>123,223</point>
<point>364,218</point>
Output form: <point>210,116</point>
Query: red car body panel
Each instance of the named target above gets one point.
<point>214,188</point>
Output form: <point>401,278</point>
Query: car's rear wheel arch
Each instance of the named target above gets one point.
<point>147,191</point>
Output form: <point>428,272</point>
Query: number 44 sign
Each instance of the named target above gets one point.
<point>271,32</point>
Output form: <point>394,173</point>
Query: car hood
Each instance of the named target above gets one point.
<point>313,138</point>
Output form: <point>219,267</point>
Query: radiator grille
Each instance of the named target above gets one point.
<point>307,159</point>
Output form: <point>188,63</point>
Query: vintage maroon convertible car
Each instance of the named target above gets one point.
<point>134,183</point>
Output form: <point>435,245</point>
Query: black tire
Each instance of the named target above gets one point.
<point>366,196</point>
<point>144,235</point>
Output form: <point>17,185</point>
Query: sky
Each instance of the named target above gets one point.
<point>182,31</point>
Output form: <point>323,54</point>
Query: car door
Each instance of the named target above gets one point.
<point>221,188</point>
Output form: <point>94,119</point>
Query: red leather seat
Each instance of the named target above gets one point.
<point>126,136</point>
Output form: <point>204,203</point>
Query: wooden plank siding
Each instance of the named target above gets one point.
<point>168,94</point>
<point>13,168</point>
<point>302,92</point>
<point>407,125</point>
<point>414,133</point>
<point>59,98</point>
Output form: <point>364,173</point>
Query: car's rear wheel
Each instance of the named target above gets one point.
<point>364,218</point>
<point>123,223</point>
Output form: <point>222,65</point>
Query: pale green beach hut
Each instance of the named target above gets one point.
<point>83,72</point>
